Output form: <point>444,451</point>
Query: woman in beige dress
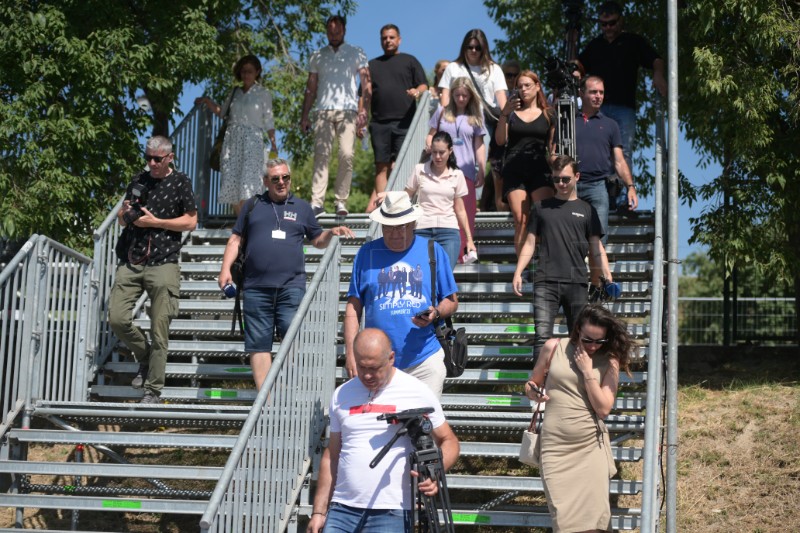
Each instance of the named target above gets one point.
<point>580,377</point>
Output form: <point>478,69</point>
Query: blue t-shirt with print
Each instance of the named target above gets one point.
<point>390,306</point>
<point>272,261</point>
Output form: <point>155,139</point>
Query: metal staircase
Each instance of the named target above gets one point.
<point>258,451</point>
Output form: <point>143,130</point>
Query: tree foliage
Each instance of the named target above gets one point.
<point>70,74</point>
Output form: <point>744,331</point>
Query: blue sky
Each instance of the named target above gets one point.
<point>434,30</point>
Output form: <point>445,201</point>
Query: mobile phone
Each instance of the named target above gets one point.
<point>513,94</point>
<point>423,314</point>
<point>536,389</point>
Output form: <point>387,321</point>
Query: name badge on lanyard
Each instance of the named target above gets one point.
<point>458,141</point>
<point>278,234</point>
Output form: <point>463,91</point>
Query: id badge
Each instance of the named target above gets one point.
<point>458,141</point>
<point>278,234</point>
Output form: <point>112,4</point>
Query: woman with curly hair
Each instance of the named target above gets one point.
<point>580,376</point>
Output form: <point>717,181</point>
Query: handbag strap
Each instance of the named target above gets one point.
<point>230,101</point>
<point>237,305</point>
<point>536,414</point>
<point>487,107</point>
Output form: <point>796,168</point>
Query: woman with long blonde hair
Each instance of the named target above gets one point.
<point>462,119</point>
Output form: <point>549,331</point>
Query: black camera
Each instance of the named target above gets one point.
<point>559,75</point>
<point>138,200</point>
<point>417,424</point>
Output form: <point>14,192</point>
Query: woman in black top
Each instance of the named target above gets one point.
<point>526,128</point>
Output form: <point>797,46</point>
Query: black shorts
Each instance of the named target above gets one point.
<point>387,138</point>
<point>527,174</point>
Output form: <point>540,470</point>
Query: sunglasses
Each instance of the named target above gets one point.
<point>609,23</point>
<point>277,179</point>
<point>587,340</point>
<point>474,48</point>
<point>156,158</point>
<point>561,180</point>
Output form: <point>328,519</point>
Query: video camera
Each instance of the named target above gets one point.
<point>558,74</point>
<point>416,423</point>
<point>139,194</point>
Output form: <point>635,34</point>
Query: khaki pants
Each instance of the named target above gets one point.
<point>162,284</point>
<point>330,124</point>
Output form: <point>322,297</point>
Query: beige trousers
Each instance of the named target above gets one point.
<point>330,124</point>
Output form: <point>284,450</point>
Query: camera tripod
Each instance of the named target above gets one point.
<point>427,461</point>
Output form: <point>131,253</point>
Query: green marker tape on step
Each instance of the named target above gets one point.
<point>503,401</point>
<point>521,329</point>
<point>122,504</point>
<point>511,375</point>
<point>471,518</point>
<point>222,394</point>
<point>516,351</point>
<point>238,370</point>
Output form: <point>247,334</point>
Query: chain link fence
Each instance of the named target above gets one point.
<point>768,321</point>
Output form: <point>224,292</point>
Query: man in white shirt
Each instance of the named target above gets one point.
<point>333,75</point>
<point>351,496</point>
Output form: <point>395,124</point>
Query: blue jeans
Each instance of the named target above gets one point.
<point>547,297</point>
<point>625,117</point>
<point>448,238</point>
<point>262,309</point>
<point>596,194</point>
<point>346,519</point>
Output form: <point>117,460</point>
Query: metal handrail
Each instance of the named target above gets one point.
<point>264,472</point>
<point>409,156</point>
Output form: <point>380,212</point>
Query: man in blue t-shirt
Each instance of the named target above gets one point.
<point>407,319</point>
<point>275,270</point>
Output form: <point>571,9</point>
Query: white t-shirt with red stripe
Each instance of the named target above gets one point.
<point>354,414</point>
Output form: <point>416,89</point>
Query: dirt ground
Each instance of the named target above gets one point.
<point>738,453</point>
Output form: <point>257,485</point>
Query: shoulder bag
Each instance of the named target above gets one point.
<point>216,150</point>
<point>453,342</point>
<point>530,450</point>
<point>237,268</point>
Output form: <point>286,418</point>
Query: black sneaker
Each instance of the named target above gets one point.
<point>150,397</point>
<point>140,378</point>
<point>318,210</point>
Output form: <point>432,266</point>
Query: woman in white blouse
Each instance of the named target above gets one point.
<point>244,154</point>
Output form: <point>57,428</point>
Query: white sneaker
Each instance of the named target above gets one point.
<point>341,209</point>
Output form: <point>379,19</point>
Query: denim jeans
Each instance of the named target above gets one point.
<point>547,297</point>
<point>625,117</point>
<point>448,238</point>
<point>596,194</point>
<point>262,308</point>
<point>346,519</point>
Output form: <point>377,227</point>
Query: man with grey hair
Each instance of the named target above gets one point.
<point>274,272</point>
<point>159,204</point>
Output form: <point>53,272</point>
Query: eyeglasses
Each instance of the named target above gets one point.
<point>587,340</point>
<point>511,75</point>
<point>277,179</point>
<point>561,179</point>
<point>475,48</point>
<point>156,158</point>
<point>398,228</point>
<point>609,23</point>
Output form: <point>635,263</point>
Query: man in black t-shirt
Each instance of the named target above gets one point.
<point>565,229</point>
<point>397,82</point>
<point>615,56</point>
<point>159,205</point>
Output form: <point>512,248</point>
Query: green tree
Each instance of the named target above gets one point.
<point>70,74</point>
<point>739,62</point>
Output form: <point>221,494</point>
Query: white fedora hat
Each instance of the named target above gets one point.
<point>396,209</point>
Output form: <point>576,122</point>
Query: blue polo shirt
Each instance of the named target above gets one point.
<point>595,139</point>
<point>273,262</point>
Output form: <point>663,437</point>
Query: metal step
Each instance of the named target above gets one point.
<point>616,234</point>
<point>91,503</point>
<point>114,470</point>
<point>124,438</point>
<point>527,484</point>
<point>511,450</point>
<point>621,270</point>
<point>474,330</point>
<point>497,421</point>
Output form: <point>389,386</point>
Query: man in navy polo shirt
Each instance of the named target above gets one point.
<point>599,146</point>
<point>275,273</point>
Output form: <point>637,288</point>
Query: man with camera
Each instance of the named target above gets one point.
<point>352,496</point>
<point>159,204</point>
<point>274,271</point>
<point>408,320</point>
